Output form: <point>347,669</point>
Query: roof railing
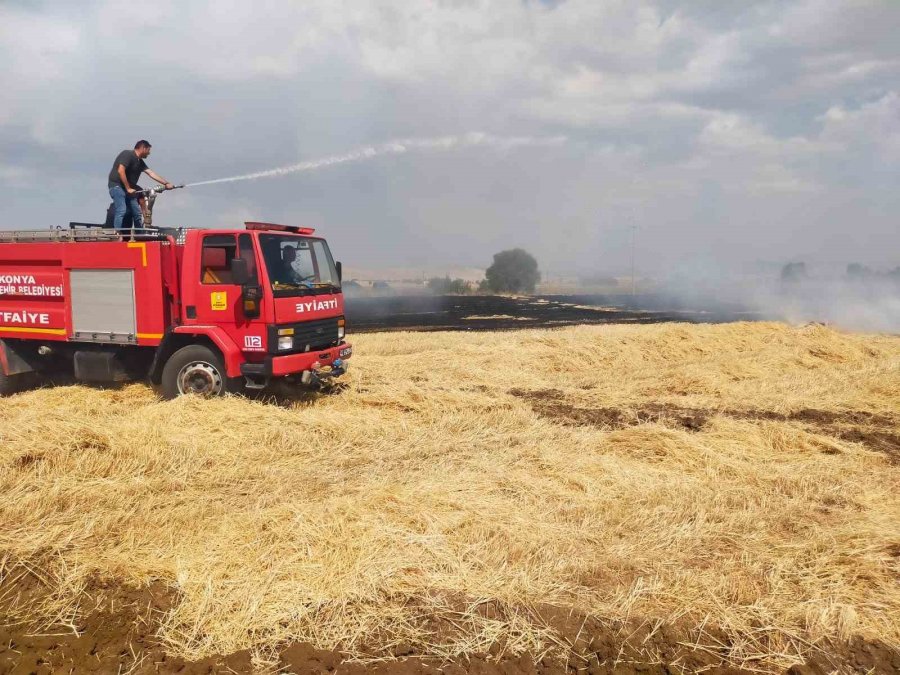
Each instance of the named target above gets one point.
<point>83,232</point>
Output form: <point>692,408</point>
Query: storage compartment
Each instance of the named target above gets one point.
<point>103,306</point>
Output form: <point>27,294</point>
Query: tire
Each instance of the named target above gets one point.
<point>197,370</point>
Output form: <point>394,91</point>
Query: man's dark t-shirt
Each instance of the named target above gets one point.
<point>134,167</point>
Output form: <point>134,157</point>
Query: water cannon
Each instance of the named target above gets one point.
<point>156,190</point>
<point>150,195</point>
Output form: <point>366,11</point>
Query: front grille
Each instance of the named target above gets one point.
<point>308,336</point>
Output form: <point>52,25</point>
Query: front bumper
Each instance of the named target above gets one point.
<point>294,364</point>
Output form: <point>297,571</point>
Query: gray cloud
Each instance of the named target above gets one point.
<point>727,133</point>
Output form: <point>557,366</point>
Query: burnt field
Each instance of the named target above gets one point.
<point>492,312</point>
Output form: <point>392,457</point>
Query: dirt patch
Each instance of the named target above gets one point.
<point>551,403</point>
<point>884,442</point>
<point>876,432</point>
<point>115,633</point>
<point>818,417</point>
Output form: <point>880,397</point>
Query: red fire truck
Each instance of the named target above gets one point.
<point>198,311</point>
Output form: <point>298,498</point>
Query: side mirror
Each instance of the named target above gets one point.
<point>240,272</point>
<point>340,270</point>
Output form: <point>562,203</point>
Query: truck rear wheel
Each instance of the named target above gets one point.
<point>195,369</point>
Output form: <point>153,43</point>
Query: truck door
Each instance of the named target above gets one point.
<point>219,301</point>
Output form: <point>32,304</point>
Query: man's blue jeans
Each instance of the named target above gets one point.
<point>123,203</point>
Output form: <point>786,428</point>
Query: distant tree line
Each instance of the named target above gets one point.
<point>448,286</point>
<point>858,272</point>
<point>796,271</point>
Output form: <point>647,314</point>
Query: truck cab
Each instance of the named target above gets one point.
<point>197,311</point>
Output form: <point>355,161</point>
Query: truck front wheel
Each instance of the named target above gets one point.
<point>195,369</point>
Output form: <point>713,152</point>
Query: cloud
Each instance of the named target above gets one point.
<point>873,126</point>
<point>725,131</point>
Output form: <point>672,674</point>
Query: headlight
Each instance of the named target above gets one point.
<point>286,342</point>
<point>341,332</point>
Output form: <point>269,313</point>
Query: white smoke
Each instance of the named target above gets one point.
<point>398,147</point>
<point>870,306</point>
<point>869,303</point>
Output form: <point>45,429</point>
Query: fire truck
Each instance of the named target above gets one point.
<point>195,311</point>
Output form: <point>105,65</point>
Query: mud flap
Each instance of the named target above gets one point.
<point>14,361</point>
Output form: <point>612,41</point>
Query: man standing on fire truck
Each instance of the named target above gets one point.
<point>123,178</point>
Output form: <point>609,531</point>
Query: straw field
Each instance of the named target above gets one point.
<point>739,481</point>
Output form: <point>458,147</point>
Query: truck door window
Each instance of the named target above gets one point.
<point>325,265</point>
<point>246,252</point>
<point>215,258</point>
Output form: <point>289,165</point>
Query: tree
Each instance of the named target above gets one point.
<point>793,272</point>
<point>857,271</point>
<point>513,271</point>
<point>446,285</point>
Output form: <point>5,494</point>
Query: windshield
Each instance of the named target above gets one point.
<point>298,264</point>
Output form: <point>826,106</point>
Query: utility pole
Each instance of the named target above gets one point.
<point>633,228</point>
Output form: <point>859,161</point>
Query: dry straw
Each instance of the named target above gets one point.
<point>426,487</point>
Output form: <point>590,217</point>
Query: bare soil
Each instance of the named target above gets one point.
<point>116,633</point>
<point>876,432</point>
<point>490,312</point>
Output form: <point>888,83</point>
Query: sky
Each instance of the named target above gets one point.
<point>725,133</point>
